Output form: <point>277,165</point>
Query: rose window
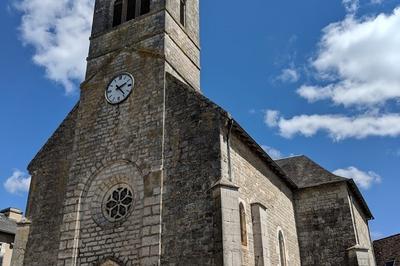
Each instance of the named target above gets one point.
<point>117,203</point>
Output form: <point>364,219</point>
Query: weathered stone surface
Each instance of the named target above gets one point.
<point>331,216</point>
<point>20,242</point>
<point>191,167</point>
<point>325,225</point>
<point>50,173</point>
<point>258,183</point>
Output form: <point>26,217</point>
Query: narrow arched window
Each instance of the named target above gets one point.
<point>117,15</point>
<point>182,12</point>
<point>282,250</point>
<point>243,226</point>
<point>144,7</point>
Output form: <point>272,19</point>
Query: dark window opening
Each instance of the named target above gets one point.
<point>117,17</point>
<point>282,250</point>
<point>183,12</point>
<point>144,7</point>
<point>243,228</point>
<point>131,12</point>
<point>390,263</point>
<point>125,10</point>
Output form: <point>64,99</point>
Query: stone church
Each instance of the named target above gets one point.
<point>145,170</point>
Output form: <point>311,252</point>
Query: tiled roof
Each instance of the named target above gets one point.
<point>390,238</point>
<point>306,173</point>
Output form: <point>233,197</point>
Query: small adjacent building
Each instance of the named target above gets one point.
<point>331,215</point>
<point>387,251</point>
<point>8,226</point>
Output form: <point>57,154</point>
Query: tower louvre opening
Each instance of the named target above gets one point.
<point>117,15</point>
<point>144,7</point>
<point>131,10</point>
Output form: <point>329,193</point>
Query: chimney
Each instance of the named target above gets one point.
<point>13,214</point>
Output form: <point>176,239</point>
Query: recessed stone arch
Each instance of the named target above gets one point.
<point>116,174</point>
<point>110,262</point>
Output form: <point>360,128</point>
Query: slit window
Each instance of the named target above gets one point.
<point>117,16</point>
<point>182,12</point>
<point>243,227</point>
<point>282,250</point>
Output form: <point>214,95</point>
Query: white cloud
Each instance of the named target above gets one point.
<point>362,56</point>
<point>377,1</point>
<point>274,153</point>
<point>338,127</point>
<point>356,66</point>
<point>363,179</point>
<point>59,33</point>
<point>252,111</point>
<point>289,75</point>
<point>272,118</point>
<point>17,183</point>
<point>351,6</point>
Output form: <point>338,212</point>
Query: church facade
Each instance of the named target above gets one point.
<point>145,170</point>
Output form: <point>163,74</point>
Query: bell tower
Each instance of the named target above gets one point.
<point>167,29</point>
<point>118,168</point>
<point>100,176</point>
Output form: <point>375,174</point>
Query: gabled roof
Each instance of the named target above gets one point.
<point>262,154</point>
<point>7,225</point>
<point>305,173</point>
<point>388,238</point>
<point>236,129</point>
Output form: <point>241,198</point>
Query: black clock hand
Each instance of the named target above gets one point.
<point>123,84</point>
<point>119,88</point>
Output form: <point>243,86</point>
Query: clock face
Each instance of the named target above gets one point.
<point>120,88</point>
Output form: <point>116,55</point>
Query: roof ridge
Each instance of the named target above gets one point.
<point>291,157</point>
<point>387,237</point>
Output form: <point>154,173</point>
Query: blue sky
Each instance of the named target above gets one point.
<point>302,77</point>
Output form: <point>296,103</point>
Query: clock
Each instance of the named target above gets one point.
<point>119,89</point>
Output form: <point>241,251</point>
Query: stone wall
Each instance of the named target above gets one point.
<point>128,37</point>
<point>6,252</point>
<point>192,25</point>
<point>191,168</point>
<point>182,45</point>
<point>180,59</point>
<point>50,173</point>
<point>387,249</point>
<point>106,135</point>
<point>259,184</point>
<point>324,224</point>
<point>20,242</point>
